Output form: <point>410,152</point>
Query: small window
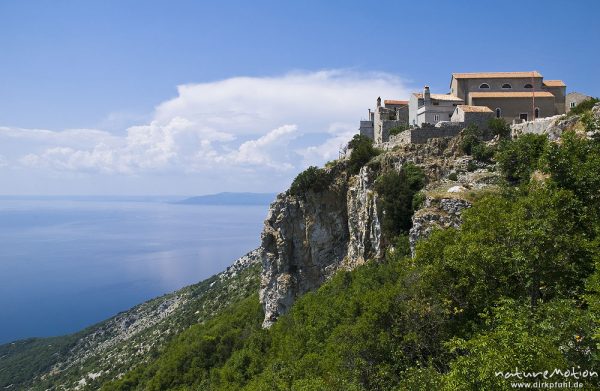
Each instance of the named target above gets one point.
<point>436,117</point>
<point>498,112</point>
<point>436,103</point>
<point>527,86</point>
<point>537,112</point>
<point>572,104</point>
<point>484,85</point>
<point>506,86</point>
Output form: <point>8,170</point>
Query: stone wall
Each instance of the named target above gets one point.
<point>421,135</point>
<point>481,120</point>
<point>366,129</point>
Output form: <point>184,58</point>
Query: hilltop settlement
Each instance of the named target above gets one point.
<point>474,98</point>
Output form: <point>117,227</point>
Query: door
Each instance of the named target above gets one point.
<point>523,116</point>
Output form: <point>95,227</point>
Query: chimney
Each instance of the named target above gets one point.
<point>379,101</point>
<point>426,95</point>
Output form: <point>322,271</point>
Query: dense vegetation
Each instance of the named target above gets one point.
<point>517,286</point>
<point>362,150</point>
<point>312,179</point>
<point>316,179</point>
<point>397,190</point>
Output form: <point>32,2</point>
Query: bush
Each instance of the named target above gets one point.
<point>362,152</point>
<point>453,176</point>
<point>312,179</point>
<point>519,158</point>
<point>584,106</point>
<point>499,127</point>
<point>418,200</point>
<point>470,138</point>
<point>483,153</point>
<point>397,191</point>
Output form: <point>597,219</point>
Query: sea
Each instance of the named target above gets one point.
<point>67,263</point>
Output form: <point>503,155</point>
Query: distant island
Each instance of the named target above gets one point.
<point>230,199</point>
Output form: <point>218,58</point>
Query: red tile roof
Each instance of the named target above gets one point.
<point>395,102</point>
<point>528,94</point>
<point>495,75</point>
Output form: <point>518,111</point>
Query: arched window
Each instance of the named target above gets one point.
<point>527,86</point>
<point>498,112</point>
<point>484,85</point>
<point>537,112</point>
<point>506,86</point>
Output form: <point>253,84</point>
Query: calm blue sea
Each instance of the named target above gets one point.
<point>67,264</point>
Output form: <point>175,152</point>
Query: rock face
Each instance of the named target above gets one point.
<point>363,220</point>
<point>551,126</point>
<point>307,239</point>
<point>436,213</point>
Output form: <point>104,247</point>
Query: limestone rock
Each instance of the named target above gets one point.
<point>436,213</point>
<point>307,239</point>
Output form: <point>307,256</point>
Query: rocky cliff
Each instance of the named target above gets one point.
<point>306,239</point>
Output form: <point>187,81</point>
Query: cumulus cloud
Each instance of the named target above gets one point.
<point>261,124</point>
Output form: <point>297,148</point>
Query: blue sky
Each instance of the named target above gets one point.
<point>182,97</point>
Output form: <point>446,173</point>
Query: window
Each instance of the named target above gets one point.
<point>436,117</point>
<point>527,86</point>
<point>572,104</point>
<point>436,103</point>
<point>506,86</point>
<point>536,112</point>
<point>498,112</point>
<point>484,85</point>
<point>523,116</point>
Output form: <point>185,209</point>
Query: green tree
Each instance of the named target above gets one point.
<point>362,151</point>
<point>519,158</point>
<point>397,191</point>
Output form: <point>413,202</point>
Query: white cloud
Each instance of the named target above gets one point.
<point>259,124</point>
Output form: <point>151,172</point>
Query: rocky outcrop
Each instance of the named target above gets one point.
<point>364,227</point>
<point>551,126</point>
<point>306,239</point>
<point>436,213</point>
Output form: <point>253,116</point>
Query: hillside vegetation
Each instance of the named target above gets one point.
<point>514,287</point>
<point>517,286</point>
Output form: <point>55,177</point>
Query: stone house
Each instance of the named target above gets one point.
<point>514,96</point>
<point>428,108</point>
<point>575,98</point>
<point>477,115</point>
<point>392,114</point>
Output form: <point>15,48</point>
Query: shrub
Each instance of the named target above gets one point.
<point>362,152</point>
<point>499,127</point>
<point>397,191</point>
<point>519,158</point>
<point>471,166</point>
<point>418,200</point>
<point>470,138</point>
<point>312,179</point>
<point>590,122</point>
<point>584,106</point>
<point>453,176</point>
<point>482,152</point>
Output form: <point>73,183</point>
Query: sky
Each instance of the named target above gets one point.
<point>173,97</point>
